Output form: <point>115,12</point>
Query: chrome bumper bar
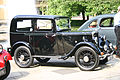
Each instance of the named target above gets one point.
<point>102,57</point>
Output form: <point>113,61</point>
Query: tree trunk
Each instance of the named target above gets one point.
<point>83,15</point>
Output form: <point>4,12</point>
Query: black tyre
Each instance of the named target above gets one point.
<point>7,71</point>
<point>86,58</point>
<point>22,57</point>
<point>103,61</point>
<point>42,60</point>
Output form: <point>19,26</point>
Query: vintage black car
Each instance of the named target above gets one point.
<point>44,36</point>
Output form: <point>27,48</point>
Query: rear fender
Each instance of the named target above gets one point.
<point>21,43</point>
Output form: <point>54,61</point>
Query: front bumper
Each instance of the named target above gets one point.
<point>110,55</point>
<point>2,71</point>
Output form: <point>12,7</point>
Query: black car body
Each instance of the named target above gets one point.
<point>44,36</point>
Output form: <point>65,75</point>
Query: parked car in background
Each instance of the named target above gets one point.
<point>4,63</point>
<point>44,37</point>
<point>104,24</point>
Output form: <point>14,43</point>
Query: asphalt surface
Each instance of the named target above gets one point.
<point>64,70</point>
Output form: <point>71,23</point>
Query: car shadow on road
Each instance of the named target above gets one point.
<point>56,63</point>
<point>71,64</point>
<point>17,75</point>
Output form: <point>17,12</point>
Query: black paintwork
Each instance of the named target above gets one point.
<point>49,42</point>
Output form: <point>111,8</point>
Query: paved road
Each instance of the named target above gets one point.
<point>64,70</point>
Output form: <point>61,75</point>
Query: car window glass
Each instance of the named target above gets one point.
<point>93,24</point>
<point>62,23</point>
<point>106,22</point>
<point>24,25</point>
<point>43,25</point>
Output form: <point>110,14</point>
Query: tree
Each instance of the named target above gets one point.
<point>74,8</point>
<point>101,6</point>
<point>64,8</point>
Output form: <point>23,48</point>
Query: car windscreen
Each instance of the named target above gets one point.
<point>62,24</point>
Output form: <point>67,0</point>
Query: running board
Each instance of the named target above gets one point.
<point>58,57</point>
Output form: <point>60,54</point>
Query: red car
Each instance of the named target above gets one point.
<point>4,63</point>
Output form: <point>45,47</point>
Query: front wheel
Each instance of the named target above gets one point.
<point>22,57</point>
<point>7,71</point>
<point>86,58</point>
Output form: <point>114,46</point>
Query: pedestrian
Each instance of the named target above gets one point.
<point>117,31</point>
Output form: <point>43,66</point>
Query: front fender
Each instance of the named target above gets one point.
<point>89,44</point>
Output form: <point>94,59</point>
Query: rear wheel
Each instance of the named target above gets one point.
<point>7,71</point>
<point>42,60</point>
<point>22,57</point>
<point>86,58</point>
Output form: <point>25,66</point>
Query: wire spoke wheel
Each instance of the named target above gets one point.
<point>86,58</point>
<point>22,56</point>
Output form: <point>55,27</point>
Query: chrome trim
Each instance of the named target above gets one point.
<point>106,55</point>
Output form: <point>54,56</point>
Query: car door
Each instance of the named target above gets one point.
<point>43,39</point>
<point>107,29</point>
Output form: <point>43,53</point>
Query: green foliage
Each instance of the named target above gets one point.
<point>101,6</point>
<point>75,7</point>
<point>64,8</point>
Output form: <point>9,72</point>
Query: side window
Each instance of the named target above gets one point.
<point>93,24</point>
<point>24,25</point>
<point>106,22</point>
<point>43,25</point>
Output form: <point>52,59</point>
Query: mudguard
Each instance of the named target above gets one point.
<point>78,45</point>
<point>4,57</point>
<point>17,44</point>
<point>90,44</point>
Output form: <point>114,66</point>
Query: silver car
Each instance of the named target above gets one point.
<point>104,24</point>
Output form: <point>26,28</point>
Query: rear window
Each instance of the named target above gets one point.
<point>24,25</point>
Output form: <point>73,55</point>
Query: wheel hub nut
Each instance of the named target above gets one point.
<point>22,57</point>
<point>86,59</point>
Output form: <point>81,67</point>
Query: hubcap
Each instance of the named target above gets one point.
<point>86,59</point>
<point>22,57</point>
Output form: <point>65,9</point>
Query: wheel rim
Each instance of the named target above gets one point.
<point>86,59</point>
<point>22,57</point>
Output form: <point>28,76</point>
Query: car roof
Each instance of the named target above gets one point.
<point>102,16</point>
<point>94,18</point>
<point>39,16</point>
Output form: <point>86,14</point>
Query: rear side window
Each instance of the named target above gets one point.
<point>107,22</point>
<point>42,25</point>
<point>24,25</point>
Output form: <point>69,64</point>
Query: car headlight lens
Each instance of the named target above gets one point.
<point>111,46</point>
<point>105,47</point>
<point>103,38</point>
<point>1,48</point>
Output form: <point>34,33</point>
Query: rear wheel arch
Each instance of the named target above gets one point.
<point>18,44</point>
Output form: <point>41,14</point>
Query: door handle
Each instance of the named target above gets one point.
<point>53,35</point>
